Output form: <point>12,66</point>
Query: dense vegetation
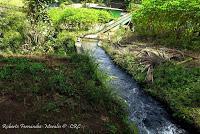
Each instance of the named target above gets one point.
<point>46,34</point>
<point>18,35</point>
<point>174,23</point>
<point>79,18</point>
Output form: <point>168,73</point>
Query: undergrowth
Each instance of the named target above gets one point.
<point>49,87</point>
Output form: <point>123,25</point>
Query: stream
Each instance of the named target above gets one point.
<point>148,114</point>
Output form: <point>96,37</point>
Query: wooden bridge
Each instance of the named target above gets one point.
<point>116,23</point>
<point>109,26</point>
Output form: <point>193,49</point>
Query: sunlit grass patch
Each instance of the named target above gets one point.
<point>18,3</point>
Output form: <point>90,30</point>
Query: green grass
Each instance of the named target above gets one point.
<point>179,87</point>
<point>60,90</point>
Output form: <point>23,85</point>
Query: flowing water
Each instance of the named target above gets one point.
<point>148,114</point>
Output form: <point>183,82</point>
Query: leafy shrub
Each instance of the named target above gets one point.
<point>172,22</point>
<point>12,20</point>
<point>12,41</point>
<point>13,27</point>
<point>65,42</point>
<point>37,10</point>
<point>77,18</point>
<point>103,16</point>
<point>39,37</point>
<point>18,35</point>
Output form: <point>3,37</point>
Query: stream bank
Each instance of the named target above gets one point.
<point>149,115</point>
<point>174,82</point>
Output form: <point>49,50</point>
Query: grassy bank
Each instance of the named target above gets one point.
<point>163,72</point>
<point>52,90</point>
<point>43,81</point>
